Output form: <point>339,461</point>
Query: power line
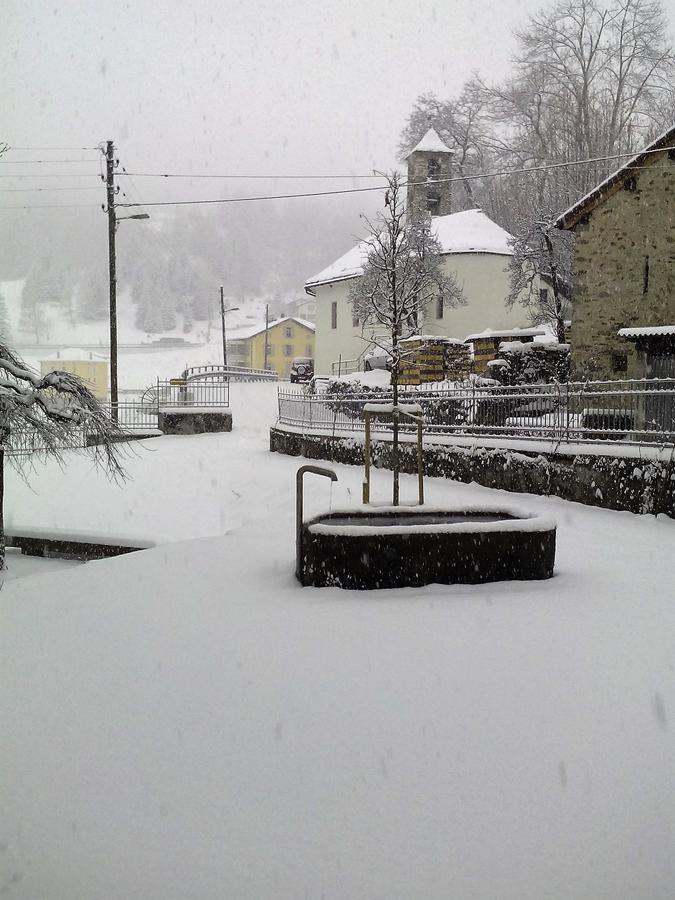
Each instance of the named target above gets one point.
<point>247,177</point>
<point>60,149</point>
<point>251,199</point>
<point>30,162</point>
<point>23,190</point>
<point>56,206</point>
<point>53,175</point>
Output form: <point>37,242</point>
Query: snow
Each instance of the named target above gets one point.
<point>508,333</point>
<point>379,378</point>
<point>431,142</point>
<point>470,231</point>
<point>188,721</point>
<point>409,409</point>
<point>522,522</point>
<point>646,331</point>
<point>74,354</point>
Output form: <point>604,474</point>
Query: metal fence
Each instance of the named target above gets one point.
<point>633,411</point>
<point>232,373</point>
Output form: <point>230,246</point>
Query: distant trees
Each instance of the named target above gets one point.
<point>5,329</point>
<point>41,413</point>
<point>401,276</point>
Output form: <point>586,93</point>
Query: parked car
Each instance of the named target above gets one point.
<point>380,359</point>
<point>302,369</point>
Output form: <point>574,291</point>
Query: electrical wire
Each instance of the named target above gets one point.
<point>23,190</point>
<point>30,162</point>
<point>249,177</point>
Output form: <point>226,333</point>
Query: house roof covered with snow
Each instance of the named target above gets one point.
<point>492,334</point>
<point>470,231</point>
<point>75,354</point>
<point>647,331</point>
<point>650,154</point>
<point>432,142</point>
<point>242,334</point>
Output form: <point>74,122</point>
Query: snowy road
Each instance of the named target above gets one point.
<point>189,722</point>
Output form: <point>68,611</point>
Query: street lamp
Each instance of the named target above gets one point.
<point>222,319</point>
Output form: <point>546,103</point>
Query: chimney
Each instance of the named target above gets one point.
<point>429,161</point>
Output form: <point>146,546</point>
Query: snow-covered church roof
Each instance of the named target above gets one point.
<point>432,142</point>
<point>470,231</point>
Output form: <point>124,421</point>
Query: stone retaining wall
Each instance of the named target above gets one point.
<point>612,482</point>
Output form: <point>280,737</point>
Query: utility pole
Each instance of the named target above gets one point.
<point>267,329</point>
<point>222,319</point>
<point>112,224</point>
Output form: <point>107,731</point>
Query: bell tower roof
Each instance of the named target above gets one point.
<point>430,143</point>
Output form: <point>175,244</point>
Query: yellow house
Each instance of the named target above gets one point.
<point>90,367</point>
<point>286,338</point>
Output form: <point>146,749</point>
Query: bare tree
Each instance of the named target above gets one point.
<point>47,415</point>
<point>402,275</point>
<point>541,270</point>
<point>591,79</point>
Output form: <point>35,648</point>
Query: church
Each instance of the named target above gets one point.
<point>475,250</point>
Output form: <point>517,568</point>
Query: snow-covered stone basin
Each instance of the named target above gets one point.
<point>411,546</point>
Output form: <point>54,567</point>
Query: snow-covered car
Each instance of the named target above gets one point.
<point>302,369</point>
<point>378,360</point>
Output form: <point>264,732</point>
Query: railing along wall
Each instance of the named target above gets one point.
<point>636,411</point>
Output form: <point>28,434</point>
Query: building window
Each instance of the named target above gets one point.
<point>288,350</point>
<point>433,167</point>
<point>333,314</point>
<point>543,295</point>
<point>433,204</point>
<point>439,307</point>
<point>619,360</point>
<point>288,331</point>
<point>269,350</point>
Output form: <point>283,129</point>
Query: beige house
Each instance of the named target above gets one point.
<point>286,338</point>
<point>623,304</point>
<point>90,367</point>
<point>475,251</point>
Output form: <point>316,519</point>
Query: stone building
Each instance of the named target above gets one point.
<point>475,250</point>
<point>624,268</point>
<point>429,173</point>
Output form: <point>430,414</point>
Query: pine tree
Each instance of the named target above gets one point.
<point>5,329</point>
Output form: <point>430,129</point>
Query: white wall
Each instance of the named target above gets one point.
<point>482,276</point>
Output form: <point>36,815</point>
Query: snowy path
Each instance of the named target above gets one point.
<point>189,722</point>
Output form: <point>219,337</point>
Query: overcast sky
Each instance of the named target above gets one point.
<point>258,86</point>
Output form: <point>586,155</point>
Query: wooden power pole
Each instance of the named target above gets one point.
<point>222,319</point>
<point>112,224</point>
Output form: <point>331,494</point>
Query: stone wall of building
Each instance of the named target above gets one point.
<point>624,270</point>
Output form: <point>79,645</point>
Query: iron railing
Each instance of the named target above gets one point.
<point>633,411</point>
<point>232,373</point>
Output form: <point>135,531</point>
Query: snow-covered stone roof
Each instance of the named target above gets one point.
<point>603,190</point>
<point>432,142</point>
<point>646,331</point>
<point>470,231</point>
<point>241,334</point>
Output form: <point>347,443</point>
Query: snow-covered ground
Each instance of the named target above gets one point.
<point>189,722</point>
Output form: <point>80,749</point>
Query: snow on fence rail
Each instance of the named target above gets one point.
<point>232,373</point>
<point>631,411</point>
